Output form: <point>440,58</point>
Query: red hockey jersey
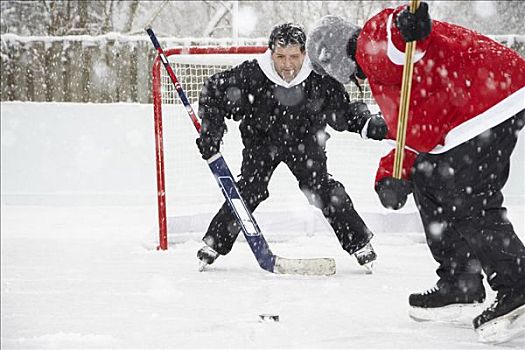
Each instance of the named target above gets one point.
<point>463,84</point>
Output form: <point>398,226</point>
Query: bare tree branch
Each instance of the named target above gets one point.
<point>217,17</point>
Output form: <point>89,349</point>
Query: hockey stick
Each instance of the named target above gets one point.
<point>404,102</point>
<point>266,259</point>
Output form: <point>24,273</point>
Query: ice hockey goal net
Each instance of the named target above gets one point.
<point>193,66</point>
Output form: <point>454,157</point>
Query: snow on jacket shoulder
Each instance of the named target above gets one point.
<point>463,84</point>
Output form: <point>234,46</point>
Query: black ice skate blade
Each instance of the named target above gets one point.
<point>456,315</point>
<point>503,329</point>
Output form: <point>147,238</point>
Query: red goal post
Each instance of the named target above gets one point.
<point>191,75</point>
<point>192,66</point>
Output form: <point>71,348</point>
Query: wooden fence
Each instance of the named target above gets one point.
<point>103,69</point>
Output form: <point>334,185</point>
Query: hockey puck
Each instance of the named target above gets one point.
<point>269,317</point>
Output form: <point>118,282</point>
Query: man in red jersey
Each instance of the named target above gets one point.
<point>467,107</point>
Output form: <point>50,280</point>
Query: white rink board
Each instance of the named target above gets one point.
<point>103,154</point>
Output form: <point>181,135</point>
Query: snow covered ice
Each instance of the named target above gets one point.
<point>79,268</point>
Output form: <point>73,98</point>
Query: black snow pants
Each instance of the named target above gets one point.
<point>458,194</point>
<point>307,163</point>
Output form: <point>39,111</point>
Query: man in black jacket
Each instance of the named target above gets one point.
<point>283,108</point>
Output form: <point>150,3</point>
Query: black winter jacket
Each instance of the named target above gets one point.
<point>272,114</point>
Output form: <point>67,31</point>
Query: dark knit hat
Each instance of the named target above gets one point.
<point>326,46</point>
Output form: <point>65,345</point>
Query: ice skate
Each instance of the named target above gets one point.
<point>504,320</point>
<point>366,257</point>
<point>207,256</point>
<point>447,303</point>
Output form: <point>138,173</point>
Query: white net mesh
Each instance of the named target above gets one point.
<point>193,70</point>
<point>191,192</point>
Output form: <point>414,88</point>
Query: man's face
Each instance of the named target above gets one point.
<point>288,61</point>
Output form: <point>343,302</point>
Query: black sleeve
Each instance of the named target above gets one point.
<point>224,95</point>
<point>339,113</point>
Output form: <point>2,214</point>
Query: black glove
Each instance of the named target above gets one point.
<point>377,128</point>
<point>414,26</point>
<point>393,192</point>
<point>208,147</point>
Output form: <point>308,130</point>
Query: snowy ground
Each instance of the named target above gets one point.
<point>81,278</point>
<point>78,270</point>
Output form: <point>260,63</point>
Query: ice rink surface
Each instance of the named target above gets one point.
<point>79,269</point>
<point>82,277</point>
